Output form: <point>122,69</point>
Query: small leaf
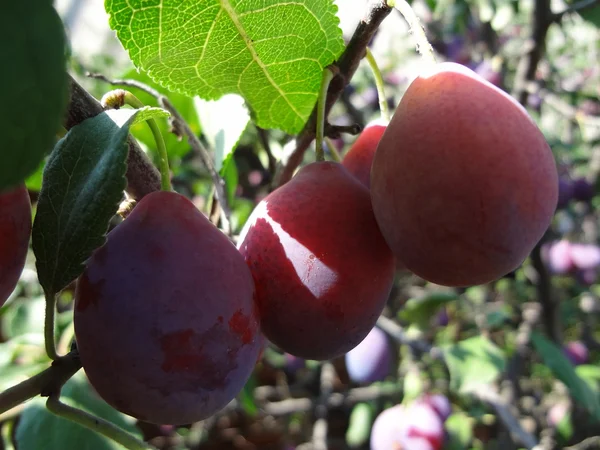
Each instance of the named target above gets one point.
<point>223,121</point>
<point>271,53</point>
<point>419,311</point>
<point>473,362</point>
<point>82,186</point>
<point>359,425</point>
<point>40,429</point>
<point>33,86</point>
<point>562,368</point>
<point>149,112</point>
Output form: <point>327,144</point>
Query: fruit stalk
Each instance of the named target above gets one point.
<point>383,106</point>
<point>414,24</point>
<point>321,104</point>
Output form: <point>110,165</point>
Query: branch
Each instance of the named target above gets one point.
<point>575,7</point>
<point>44,383</point>
<point>542,19</point>
<point>142,176</point>
<point>347,65</point>
<point>182,127</point>
<point>587,444</point>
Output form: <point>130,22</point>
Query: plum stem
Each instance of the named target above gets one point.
<point>321,103</point>
<point>49,339</point>
<point>124,97</point>
<point>335,155</point>
<point>383,106</point>
<point>416,28</point>
<point>94,423</point>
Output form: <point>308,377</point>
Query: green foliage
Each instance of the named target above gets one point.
<point>420,311</point>
<point>33,86</point>
<point>563,369</point>
<point>271,53</point>
<point>473,363</point>
<point>359,426</point>
<point>83,185</point>
<point>39,428</point>
<point>460,429</point>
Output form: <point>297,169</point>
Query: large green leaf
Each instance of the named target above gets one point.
<point>82,186</point>
<point>40,429</point>
<point>271,52</point>
<point>473,363</point>
<point>556,361</point>
<point>33,86</point>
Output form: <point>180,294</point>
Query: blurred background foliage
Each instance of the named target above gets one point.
<point>483,336</point>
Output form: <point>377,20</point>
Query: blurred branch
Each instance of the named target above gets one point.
<point>44,383</point>
<point>541,21</point>
<point>347,65</point>
<point>575,7</point>
<point>587,444</point>
<point>334,400</point>
<point>182,127</point>
<point>320,427</point>
<point>142,176</point>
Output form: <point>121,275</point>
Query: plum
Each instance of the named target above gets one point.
<point>322,270</point>
<point>583,190</point>
<point>576,352</point>
<point>371,360</point>
<point>359,158</point>
<point>565,192</point>
<point>165,320</point>
<point>439,403</point>
<point>15,231</point>
<point>416,427</point>
<point>585,256</point>
<point>558,256</point>
<point>463,183</point>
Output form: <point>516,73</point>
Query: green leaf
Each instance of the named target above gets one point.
<point>246,397</point>
<point>591,14</point>
<point>473,363</point>
<point>359,426</point>
<point>83,184</point>
<point>148,112</point>
<point>270,52</point>
<point>460,429</point>
<point>562,368</point>
<point>33,86</point>
<point>419,311</point>
<point>223,121</point>
<point>40,429</point>
<point>26,315</point>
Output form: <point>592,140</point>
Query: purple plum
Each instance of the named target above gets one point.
<point>577,352</point>
<point>583,190</point>
<point>371,360</point>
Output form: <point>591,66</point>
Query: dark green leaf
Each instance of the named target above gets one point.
<point>40,429</point>
<point>33,86</point>
<point>419,311</point>
<point>82,186</point>
<point>562,368</point>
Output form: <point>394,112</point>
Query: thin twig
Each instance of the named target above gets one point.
<point>180,124</point>
<point>44,383</point>
<point>347,65</point>
<point>320,427</point>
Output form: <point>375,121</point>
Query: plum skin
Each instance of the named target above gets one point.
<point>463,182</point>
<point>15,231</point>
<point>165,320</point>
<point>371,360</point>
<point>359,159</point>
<point>322,270</point>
